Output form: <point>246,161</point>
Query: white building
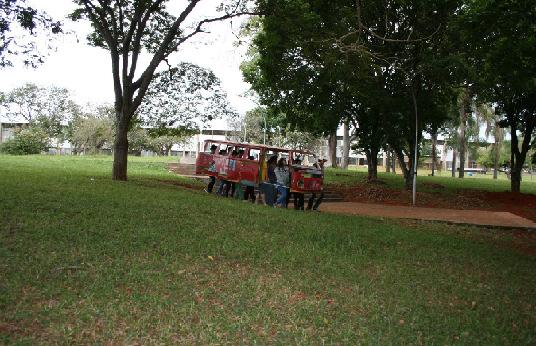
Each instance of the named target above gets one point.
<point>219,130</point>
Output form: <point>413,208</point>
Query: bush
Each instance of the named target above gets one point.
<point>27,141</point>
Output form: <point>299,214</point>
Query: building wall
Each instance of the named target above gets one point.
<point>7,131</point>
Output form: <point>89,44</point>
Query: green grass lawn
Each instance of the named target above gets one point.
<point>87,260</point>
<point>477,181</point>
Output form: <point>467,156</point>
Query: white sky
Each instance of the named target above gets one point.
<point>86,70</point>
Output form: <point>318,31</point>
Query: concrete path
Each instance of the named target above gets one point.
<point>473,217</point>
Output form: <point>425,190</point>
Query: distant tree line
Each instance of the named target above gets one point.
<point>176,101</point>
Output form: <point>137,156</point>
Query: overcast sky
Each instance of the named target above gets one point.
<point>86,70</point>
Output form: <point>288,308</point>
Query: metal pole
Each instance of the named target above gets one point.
<point>415,168</point>
<point>416,146</point>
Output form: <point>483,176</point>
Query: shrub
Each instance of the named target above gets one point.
<point>27,141</point>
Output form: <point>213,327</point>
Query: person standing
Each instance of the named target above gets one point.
<point>282,176</point>
<point>298,196</point>
<point>212,169</point>
<point>268,187</point>
<point>312,204</point>
<point>231,186</point>
<point>249,193</point>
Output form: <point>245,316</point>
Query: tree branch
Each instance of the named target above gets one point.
<point>145,79</point>
<point>100,21</point>
<point>107,9</point>
<point>136,44</point>
<point>199,27</point>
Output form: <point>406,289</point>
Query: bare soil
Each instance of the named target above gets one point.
<point>520,204</point>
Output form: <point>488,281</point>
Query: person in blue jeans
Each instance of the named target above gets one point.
<point>268,187</point>
<point>283,179</point>
<point>312,204</point>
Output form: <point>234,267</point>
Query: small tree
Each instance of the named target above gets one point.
<point>29,140</point>
<point>162,139</point>
<point>92,133</point>
<point>299,140</point>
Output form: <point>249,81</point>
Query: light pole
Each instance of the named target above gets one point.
<point>416,146</point>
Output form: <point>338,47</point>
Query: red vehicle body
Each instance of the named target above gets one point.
<point>249,168</point>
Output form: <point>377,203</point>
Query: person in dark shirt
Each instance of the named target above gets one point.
<point>298,196</point>
<point>268,187</point>
<point>212,168</point>
<point>223,183</point>
<point>249,193</point>
<point>231,186</point>
<point>312,204</point>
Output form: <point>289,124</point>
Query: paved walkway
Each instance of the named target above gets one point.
<point>473,217</point>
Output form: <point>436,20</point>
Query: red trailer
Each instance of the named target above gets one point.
<point>248,167</point>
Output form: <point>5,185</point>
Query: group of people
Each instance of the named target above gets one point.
<point>276,189</point>
<point>226,186</point>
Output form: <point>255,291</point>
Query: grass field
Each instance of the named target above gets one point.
<point>87,260</point>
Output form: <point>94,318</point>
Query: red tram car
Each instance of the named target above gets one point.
<point>249,167</point>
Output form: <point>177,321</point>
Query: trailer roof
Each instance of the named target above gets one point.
<point>260,146</point>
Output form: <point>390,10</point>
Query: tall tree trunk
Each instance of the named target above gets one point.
<point>515,167</point>
<point>372,167</point>
<point>332,148</point>
<point>345,145</point>
<point>519,155</point>
<point>120,150</point>
<point>434,149</point>
<point>515,180</point>
<point>393,162</point>
<point>453,168</point>
<point>388,160</point>
<point>407,170</point>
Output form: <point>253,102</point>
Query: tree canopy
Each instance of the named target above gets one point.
<point>380,66</point>
<point>19,25</point>
<point>182,95</point>
<point>500,39</point>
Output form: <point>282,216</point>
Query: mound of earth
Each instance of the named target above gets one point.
<point>516,203</point>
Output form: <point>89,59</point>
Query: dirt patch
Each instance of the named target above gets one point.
<point>181,168</point>
<point>434,186</point>
<point>376,191</point>
<point>520,204</point>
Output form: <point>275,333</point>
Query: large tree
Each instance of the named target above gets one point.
<point>385,63</point>
<point>125,28</point>
<point>183,95</point>
<point>501,39</point>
